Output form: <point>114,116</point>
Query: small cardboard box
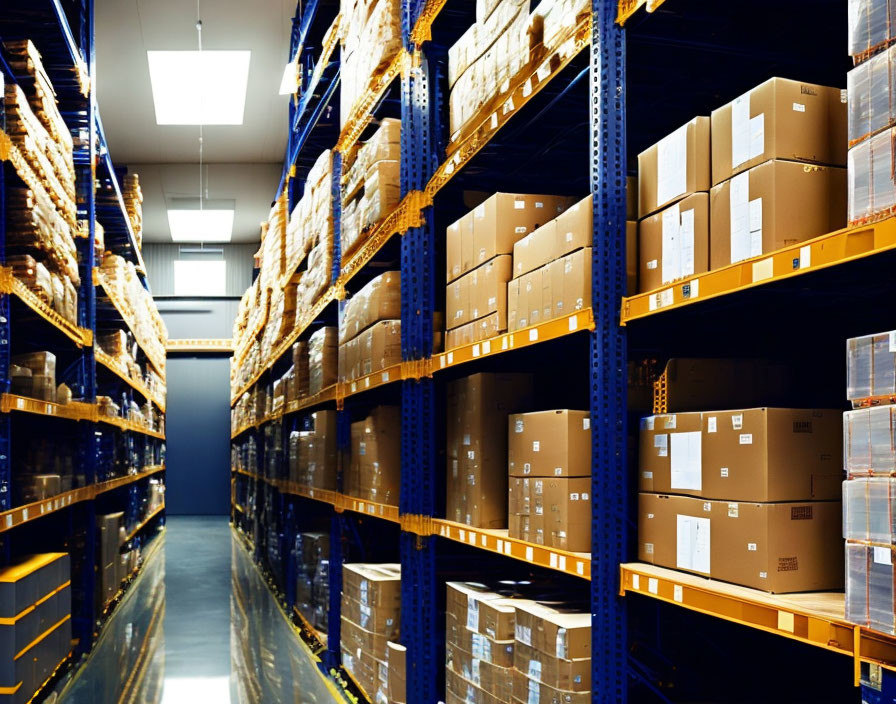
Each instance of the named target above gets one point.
<point>550,444</point>
<point>495,680</point>
<point>674,243</point>
<point>559,673</point>
<point>527,691</point>
<point>674,167</point>
<point>374,585</point>
<point>396,657</point>
<point>576,281</point>
<point>376,455</point>
<point>562,632</point>
<point>459,247</point>
<point>774,205</point>
<point>779,119</point>
<point>380,346</point>
<point>776,547</point>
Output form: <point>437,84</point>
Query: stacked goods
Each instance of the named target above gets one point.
<point>42,470</point>
<point>549,461</point>
<point>372,183</point>
<point>370,618</point>
<point>869,457</point>
<point>121,347</point>
<point>300,366</point>
<point>554,21</point>
<point>312,453</point>
<point>312,556</point>
<point>311,221</point>
<point>370,328</point>
<point>393,677</point>
<point>478,407</point>
<point>133,203</point>
<point>372,40</point>
<point>748,495</point>
<point>374,471</point>
<point>273,241</point>
<point>34,375</point>
<point>112,537</point>
<point>717,190</point>
<point>552,654</point>
<point>871,27</point>
<point>478,250</point>
<point>36,610</point>
<point>323,359</point>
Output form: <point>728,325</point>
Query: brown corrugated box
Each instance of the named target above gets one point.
<point>674,167</point>
<point>490,650</point>
<point>529,691</point>
<point>674,243</point>
<point>319,451</point>
<point>355,638</point>
<point>480,293</point>
<point>779,119</point>
<point>557,630</point>
<point>551,511</point>
<point>505,218</point>
<point>384,620</point>
<point>776,547</point>
<point>379,300</point>
<point>496,681</point>
<point>380,346</point>
<point>477,410</point>
<point>482,609</point>
<point>465,691</point>
<point>576,282</point>
<point>559,673</point>
<point>373,584</point>
<point>375,467</point>
<point>396,657</point>
<point>363,667</point>
<point>775,205</point>
<point>550,444</point>
<point>459,247</point>
<point>534,295</point>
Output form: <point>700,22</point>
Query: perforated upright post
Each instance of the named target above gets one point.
<point>608,356</point>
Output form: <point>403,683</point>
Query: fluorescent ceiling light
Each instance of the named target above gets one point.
<point>199,87</point>
<point>200,225</point>
<point>289,84</point>
<point>200,278</point>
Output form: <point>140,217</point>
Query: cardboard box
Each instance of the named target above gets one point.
<point>563,632</point>
<point>379,346</point>
<point>551,511</point>
<point>576,282</point>
<point>396,658</point>
<point>374,585</point>
<point>559,673</point>
<point>481,646</point>
<point>774,205</point>
<point>530,691</point>
<point>534,295</point>
<point>695,384</point>
<point>550,444</point>
<point>477,410</point>
<point>779,119</point>
<point>323,360</point>
<point>480,293</point>
<point>463,690</point>
<point>379,300</point>
<point>505,218</point>
<point>674,167</point>
<point>569,231</point>
<point>375,467</point>
<point>496,681</point>
<point>757,454</point>
<point>459,247</point>
<point>674,243</point>
<point>482,610</point>
<point>776,547</point>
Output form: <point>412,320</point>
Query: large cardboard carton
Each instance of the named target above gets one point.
<point>551,511</point>
<point>396,658</point>
<point>486,648</point>
<point>459,247</point>
<point>776,547</point>
<point>480,293</point>
<point>774,205</point>
<point>374,585</point>
<point>576,282</point>
<point>559,673</point>
<point>477,408</point>
<point>530,691</point>
<point>550,444</point>
<point>559,630</point>
<point>380,346</point>
<point>674,243</point>
<point>493,679</point>
<point>674,167</point>
<point>756,454</point>
<point>379,300</point>
<point>376,456</point>
<point>779,119</point>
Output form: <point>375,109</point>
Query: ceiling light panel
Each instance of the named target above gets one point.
<point>199,87</point>
<point>201,225</point>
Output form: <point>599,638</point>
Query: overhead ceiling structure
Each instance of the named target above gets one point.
<point>242,161</point>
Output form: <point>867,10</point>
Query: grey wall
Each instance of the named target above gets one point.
<point>198,317</point>
<point>160,259</point>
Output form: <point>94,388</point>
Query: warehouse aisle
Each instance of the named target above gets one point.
<point>199,625</point>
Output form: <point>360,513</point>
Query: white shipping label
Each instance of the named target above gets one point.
<point>472,614</point>
<point>746,438</point>
<point>686,244</point>
<point>739,202</point>
<point>685,458</point>
<point>671,421</point>
<point>755,227</point>
<point>757,135</point>
<point>671,244</point>
<point>737,421</point>
<point>536,446</point>
<point>711,424</point>
<point>672,165</point>
<point>661,443</point>
<point>799,107</point>
<point>883,556</point>
<point>740,130</point>
<point>652,264</point>
<point>648,421</point>
<point>692,543</point>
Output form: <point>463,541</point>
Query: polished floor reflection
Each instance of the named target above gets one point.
<point>199,625</point>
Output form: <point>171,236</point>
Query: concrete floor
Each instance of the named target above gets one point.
<point>199,625</point>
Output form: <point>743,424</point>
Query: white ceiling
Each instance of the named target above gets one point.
<point>244,160</point>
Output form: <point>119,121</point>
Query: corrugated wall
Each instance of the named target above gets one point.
<point>160,260</point>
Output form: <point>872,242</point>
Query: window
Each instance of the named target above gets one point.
<point>200,278</point>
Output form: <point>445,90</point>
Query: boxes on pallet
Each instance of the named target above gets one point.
<point>871,25</point>
<point>871,366</point>
<point>477,410</point>
<point>869,441</point>
<point>312,554</point>
<point>374,469</point>
<point>312,453</point>
<point>323,359</point>
<point>479,294</point>
<point>551,511</point>
<point>380,299</point>
<point>754,454</point>
<point>868,509</point>
<point>777,547</point>
<point>676,166</point>
<point>869,89</point>
<point>559,288</point>
<point>392,681</point>
<point>779,119</point>
<point>870,586</point>
<point>674,243</point>
<point>753,213</point>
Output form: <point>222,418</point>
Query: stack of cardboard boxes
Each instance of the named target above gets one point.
<point>372,184</point>
<point>312,559</point>
<point>370,618</point>
<point>477,412</point>
<point>374,470</point>
<point>870,89</point>
<point>34,375</point>
<point>549,455</point>
<point>370,328</point>
<point>36,629</point>
<point>112,536</point>
<point>479,262</point>
<point>718,191</point>
<point>748,495</point>
<point>323,359</point>
<point>312,453</point>
<point>393,678</point>
<point>869,457</point>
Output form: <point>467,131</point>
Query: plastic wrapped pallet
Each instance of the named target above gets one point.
<point>868,509</point>
<point>872,25</point>
<point>869,89</point>
<point>871,180</point>
<point>870,587</point>
<point>869,441</point>
<point>871,366</point>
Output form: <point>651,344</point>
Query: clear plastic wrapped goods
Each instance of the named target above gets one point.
<point>322,359</point>
<point>869,87</point>
<point>868,509</point>
<point>871,366</point>
<point>38,362</point>
<point>871,178</point>
<point>869,587</point>
<point>869,441</point>
<point>872,24</point>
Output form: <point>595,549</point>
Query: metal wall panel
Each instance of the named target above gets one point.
<point>199,317</point>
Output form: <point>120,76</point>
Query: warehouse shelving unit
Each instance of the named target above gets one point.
<point>117,456</point>
<point>631,38</point>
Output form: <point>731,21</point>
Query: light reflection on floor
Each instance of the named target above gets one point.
<point>198,626</point>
